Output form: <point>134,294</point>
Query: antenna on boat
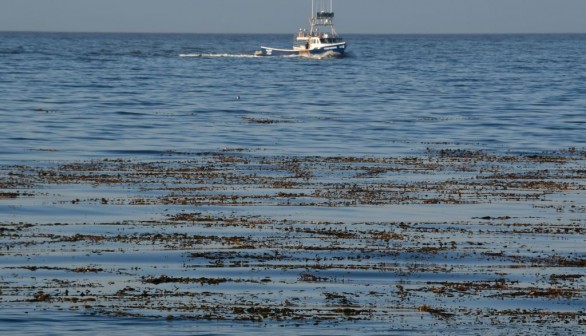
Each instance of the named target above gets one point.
<point>322,37</point>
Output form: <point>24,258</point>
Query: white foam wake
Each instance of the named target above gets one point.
<point>326,55</point>
<point>218,55</point>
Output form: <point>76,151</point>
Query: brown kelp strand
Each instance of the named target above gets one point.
<point>455,236</point>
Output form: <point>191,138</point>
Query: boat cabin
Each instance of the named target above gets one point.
<point>320,38</point>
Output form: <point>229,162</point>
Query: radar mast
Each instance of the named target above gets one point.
<point>322,16</point>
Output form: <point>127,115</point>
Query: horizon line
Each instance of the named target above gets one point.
<point>256,33</point>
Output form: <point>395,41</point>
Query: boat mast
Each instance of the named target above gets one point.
<point>322,15</point>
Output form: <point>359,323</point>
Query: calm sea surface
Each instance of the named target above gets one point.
<point>78,97</point>
<point>75,96</point>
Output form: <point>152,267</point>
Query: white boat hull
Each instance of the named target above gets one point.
<point>338,48</point>
<point>321,40</point>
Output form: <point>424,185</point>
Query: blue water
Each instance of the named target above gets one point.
<point>76,96</point>
<point>51,323</point>
<point>67,97</point>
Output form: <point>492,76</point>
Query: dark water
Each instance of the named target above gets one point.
<point>23,322</point>
<point>70,96</point>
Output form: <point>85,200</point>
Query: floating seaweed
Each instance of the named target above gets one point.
<point>238,236</point>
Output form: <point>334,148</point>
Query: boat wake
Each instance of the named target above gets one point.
<point>219,55</point>
<point>326,55</point>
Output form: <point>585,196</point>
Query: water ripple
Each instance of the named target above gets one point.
<point>499,93</point>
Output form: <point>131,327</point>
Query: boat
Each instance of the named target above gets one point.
<point>321,39</point>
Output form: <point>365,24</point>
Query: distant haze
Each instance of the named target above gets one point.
<point>286,16</point>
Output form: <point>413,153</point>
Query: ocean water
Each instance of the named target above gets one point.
<point>151,110</point>
<point>75,96</point>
